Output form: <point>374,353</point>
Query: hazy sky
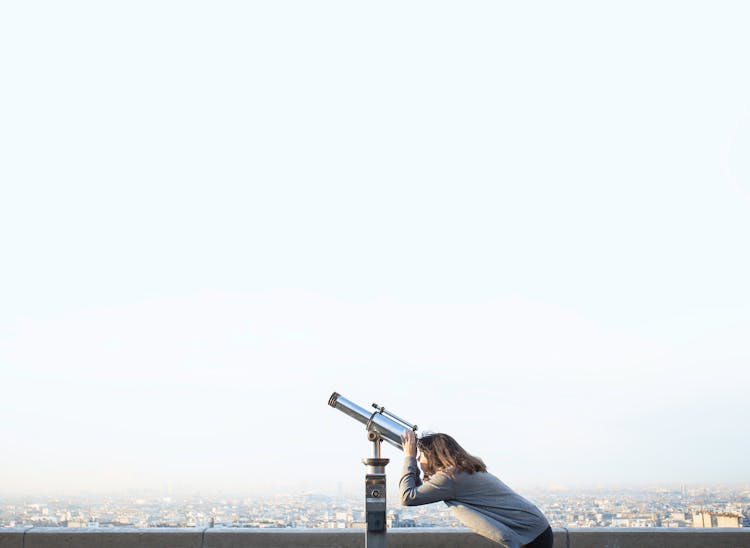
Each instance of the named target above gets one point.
<point>525,224</point>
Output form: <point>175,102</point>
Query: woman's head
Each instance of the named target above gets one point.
<point>440,452</point>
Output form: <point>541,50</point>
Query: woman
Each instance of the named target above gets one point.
<point>480,500</point>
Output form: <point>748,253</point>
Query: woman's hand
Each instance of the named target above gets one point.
<point>409,443</point>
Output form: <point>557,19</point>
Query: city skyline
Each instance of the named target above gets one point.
<point>522,225</point>
<point>654,507</point>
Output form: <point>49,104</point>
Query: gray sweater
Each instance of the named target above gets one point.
<point>480,500</point>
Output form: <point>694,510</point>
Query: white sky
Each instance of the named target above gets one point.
<point>523,224</point>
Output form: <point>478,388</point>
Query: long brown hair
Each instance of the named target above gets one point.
<point>443,452</point>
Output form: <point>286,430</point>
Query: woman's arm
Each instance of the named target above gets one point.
<point>413,492</point>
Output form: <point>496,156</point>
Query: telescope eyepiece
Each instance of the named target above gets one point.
<point>333,399</point>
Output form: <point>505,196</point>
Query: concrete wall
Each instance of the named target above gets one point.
<point>352,538</point>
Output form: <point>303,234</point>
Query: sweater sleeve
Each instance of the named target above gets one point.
<point>414,493</point>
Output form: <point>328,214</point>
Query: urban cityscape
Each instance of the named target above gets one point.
<point>680,506</point>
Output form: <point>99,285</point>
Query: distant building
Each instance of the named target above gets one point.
<point>393,519</point>
<point>703,518</point>
<point>728,520</point>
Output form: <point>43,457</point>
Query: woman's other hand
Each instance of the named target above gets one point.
<point>409,443</point>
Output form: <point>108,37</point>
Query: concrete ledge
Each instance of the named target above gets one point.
<point>113,538</point>
<point>343,538</point>
<point>614,537</point>
<point>12,538</point>
<point>354,538</point>
<point>273,538</point>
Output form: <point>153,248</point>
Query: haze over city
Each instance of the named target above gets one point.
<point>525,225</point>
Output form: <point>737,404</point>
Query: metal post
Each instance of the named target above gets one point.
<point>375,499</point>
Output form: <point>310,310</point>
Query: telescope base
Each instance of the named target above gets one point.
<point>375,503</point>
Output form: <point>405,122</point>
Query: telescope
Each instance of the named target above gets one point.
<point>382,423</point>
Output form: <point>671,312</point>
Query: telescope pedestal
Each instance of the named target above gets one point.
<point>375,499</point>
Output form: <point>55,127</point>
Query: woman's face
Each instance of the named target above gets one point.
<point>424,463</point>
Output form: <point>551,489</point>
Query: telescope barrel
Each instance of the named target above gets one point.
<point>389,429</point>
